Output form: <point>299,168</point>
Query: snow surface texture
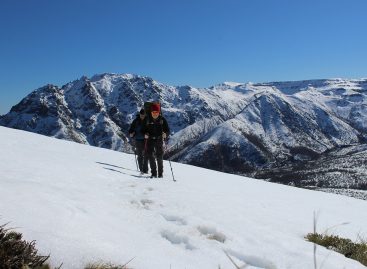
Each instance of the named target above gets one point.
<point>85,204</point>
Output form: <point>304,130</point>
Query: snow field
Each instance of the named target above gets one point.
<point>83,204</point>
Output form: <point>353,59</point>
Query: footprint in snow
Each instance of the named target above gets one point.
<point>176,239</point>
<point>174,219</point>
<point>212,233</point>
<point>143,203</point>
<point>247,260</point>
<point>135,203</point>
<point>146,202</point>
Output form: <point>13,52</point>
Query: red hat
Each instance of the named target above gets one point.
<point>155,107</point>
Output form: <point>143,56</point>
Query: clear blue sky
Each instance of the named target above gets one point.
<point>194,42</point>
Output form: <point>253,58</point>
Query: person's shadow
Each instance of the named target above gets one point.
<point>116,166</point>
<point>112,166</point>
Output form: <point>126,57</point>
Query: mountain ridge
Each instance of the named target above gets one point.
<point>240,128</point>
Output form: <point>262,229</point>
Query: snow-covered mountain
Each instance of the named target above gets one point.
<point>98,111</point>
<point>84,204</point>
<point>342,170</point>
<point>232,127</point>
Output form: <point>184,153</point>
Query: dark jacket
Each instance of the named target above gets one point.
<point>137,126</point>
<point>155,128</point>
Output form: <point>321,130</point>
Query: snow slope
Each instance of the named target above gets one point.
<point>85,204</point>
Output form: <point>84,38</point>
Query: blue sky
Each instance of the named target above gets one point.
<point>194,42</point>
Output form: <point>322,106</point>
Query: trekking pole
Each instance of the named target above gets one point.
<point>173,176</point>
<point>146,157</point>
<point>136,159</point>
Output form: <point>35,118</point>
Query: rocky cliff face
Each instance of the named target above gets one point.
<point>238,128</point>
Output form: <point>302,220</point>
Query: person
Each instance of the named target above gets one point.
<point>136,130</point>
<point>156,130</point>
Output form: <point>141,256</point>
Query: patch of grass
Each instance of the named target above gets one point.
<point>101,266</point>
<point>46,266</point>
<point>107,266</point>
<point>17,253</point>
<point>350,249</point>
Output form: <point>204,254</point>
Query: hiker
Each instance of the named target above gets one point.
<point>136,130</point>
<point>156,130</point>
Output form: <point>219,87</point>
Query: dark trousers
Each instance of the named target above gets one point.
<point>155,153</point>
<point>142,156</point>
